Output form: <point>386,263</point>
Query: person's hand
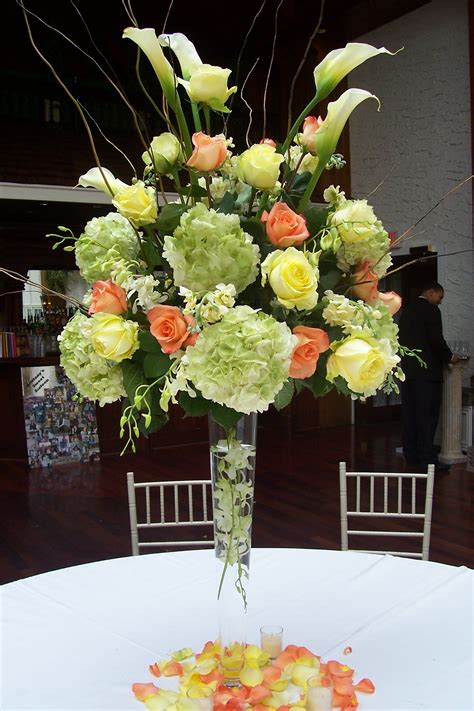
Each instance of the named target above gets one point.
<point>455,358</point>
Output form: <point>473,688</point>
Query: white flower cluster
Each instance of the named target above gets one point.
<point>306,165</point>
<point>143,291</point>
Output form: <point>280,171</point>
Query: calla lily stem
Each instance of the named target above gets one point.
<point>299,121</point>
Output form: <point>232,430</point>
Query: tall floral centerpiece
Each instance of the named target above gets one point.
<point>236,293</point>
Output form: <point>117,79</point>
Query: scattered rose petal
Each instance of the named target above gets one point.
<point>366,686</point>
<point>144,691</point>
<point>154,669</point>
<point>347,650</point>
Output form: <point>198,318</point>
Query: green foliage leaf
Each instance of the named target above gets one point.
<point>133,376</point>
<point>195,191</point>
<point>169,217</point>
<point>315,218</point>
<point>297,188</point>
<point>255,228</point>
<point>329,279</point>
<point>194,406</point>
<point>148,342</point>
<point>318,385</point>
<point>156,364</point>
<point>285,395</point>
<point>225,416</point>
<point>151,253</point>
<point>341,386</point>
<point>299,386</point>
<point>227,204</point>
<point>244,196</point>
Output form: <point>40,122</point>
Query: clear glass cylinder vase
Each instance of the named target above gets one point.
<point>233,456</point>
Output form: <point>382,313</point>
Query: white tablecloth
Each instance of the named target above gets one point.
<point>78,638</point>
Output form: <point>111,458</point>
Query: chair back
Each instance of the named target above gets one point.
<point>386,497</point>
<point>165,505</point>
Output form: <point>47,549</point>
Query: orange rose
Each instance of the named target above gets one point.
<point>392,301</point>
<point>170,328</point>
<point>209,152</point>
<point>284,227</point>
<point>365,283</point>
<point>307,139</point>
<point>108,298</point>
<point>268,142</point>
<point>311,342</point>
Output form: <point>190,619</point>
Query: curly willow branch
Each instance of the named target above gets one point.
<point>247,134</point>
<point>275,35</point>
<point>239,58</point>
<point>127,5</point>
<point>302,63</point>
<point>19,277</point>
<point>115,86</point>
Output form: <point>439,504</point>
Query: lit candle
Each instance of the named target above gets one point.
<point>319,694</point>
<point>271,639</point>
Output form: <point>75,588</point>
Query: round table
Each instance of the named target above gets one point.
<point>78,638</point>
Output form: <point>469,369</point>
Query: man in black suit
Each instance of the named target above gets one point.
<point>421,328</point>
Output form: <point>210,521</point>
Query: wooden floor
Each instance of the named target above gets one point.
<point>73,514</point>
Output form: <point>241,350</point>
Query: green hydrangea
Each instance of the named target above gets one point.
<point>242,361</point>
<point>208,248</point>
<point>105,240</point>
<point>373,250</point>
<point>92,375</point>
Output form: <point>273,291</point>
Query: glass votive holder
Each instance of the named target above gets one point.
<point>319,693</point>
<point>202,697</point>
<point>271,640</point>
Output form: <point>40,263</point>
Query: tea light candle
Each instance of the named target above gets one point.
<point>319,694</point>
<point>271,639</point>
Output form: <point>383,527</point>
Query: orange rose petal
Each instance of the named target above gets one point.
<point>271,675</point>
<point>173,669</point>
<point>340,700</point>
<point>260,707</point>
<point>351,705</point>
<point>304,652</point>
<point>366,686</point>
<point>284,659</point>
<point>154,669</point>
<point>258,693</point>
<point>144,691</point>
<point>343,685</point>
<point>212,676</point>
<point>337,669</point>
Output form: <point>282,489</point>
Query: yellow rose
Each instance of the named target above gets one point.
<point>165,151</point>
<point>293,278</point>
<point>259,166</point>
<point>362,364</point>
<point>113,337</point>
<point>137,203</point>
<point>355,221</point>
<point>208,85</point>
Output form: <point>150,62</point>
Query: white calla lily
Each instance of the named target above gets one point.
<point>148,42</point>
<point>338,63</point>
<point>185,51</point>
<point>102,179</point>
<point>338,113</point>
<point>328,134</point>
